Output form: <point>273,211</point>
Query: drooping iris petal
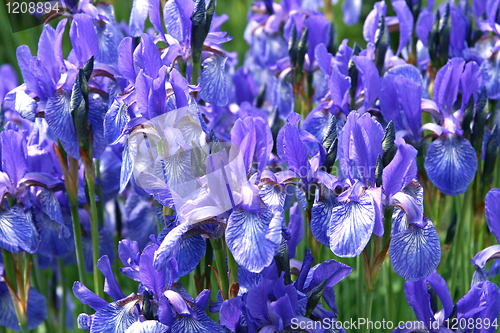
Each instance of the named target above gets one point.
<point>200,324</point>
<point>213,80</point>
<point>15,231</point>
<point>351,226</point>
<point>451,164</point>
<point>58,116</point>
<point>170,246</point>
<point>245,229</point>
<point>51,207</point>
<point>492,207</point>
<point>37,309</point>
<point>138,17</point>
<point>25,105</point>
<point>128,159</point>
<point>115,121</point>
<point>53,242</point>
<point>470,81</point>
<point>321,216</point>
<point>116,316</point>
<point>399,216</point>
<point>415,252</point>
<point>149,326</point>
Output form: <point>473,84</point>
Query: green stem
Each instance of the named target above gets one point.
<point>94,227</point>
<point>100,203</point>
<point>460,207</point>
<point>10,270</point>
<point>77,231</point>
<point>24,328</point>
<point>196,72</point>
<point>368,309</point>
<point>62,314</point>
<point>233,268</point>
<point>220,261</point>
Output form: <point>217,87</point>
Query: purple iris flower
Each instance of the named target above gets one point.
<point>284,303</point>
<point>174,307</point>
<point>480,303</point>
<point>451,161</point>
<point>493,252</point>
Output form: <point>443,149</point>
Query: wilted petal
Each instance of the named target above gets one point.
<point>351,226</point>
<point>245,229</point>
<point>213,80</point>
<point>415,253</point>
<point>451,164</point>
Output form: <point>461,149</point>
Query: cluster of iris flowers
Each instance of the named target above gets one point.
<point>237,196</point>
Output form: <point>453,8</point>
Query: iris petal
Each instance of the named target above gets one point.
<point>451,164</point>
<point>415,252</point>
<point>246,229</point>
<point>321,216</point>
<point>351,226</point>
<point>213,80</point>
<point>116,316</point>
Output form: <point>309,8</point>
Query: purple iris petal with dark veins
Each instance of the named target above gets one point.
<point>451,164</point>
